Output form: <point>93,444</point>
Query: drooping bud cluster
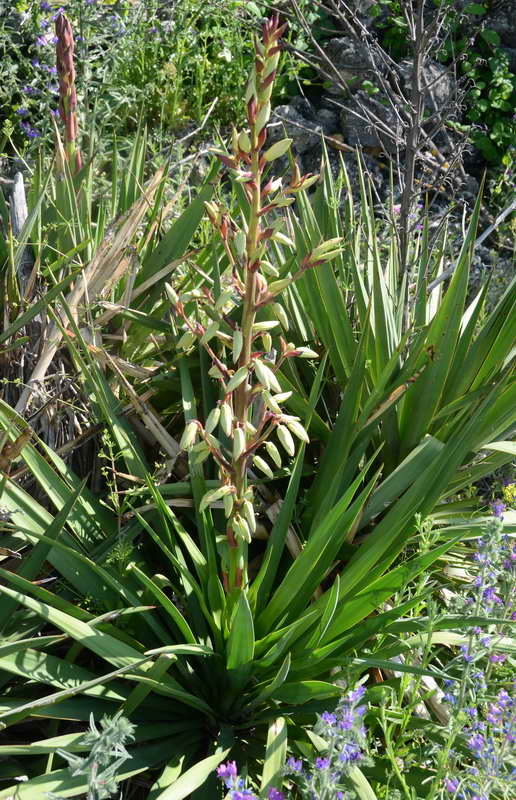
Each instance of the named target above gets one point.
<point>244,363</point>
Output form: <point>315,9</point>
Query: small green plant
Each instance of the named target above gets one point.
<point>107,754</point>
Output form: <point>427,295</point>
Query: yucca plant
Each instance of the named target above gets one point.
<point>193,629</point>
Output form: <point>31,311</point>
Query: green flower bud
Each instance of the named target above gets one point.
<point>274,453</point>
<point>210,332</point>
<point>277,150</point>
<point>266,325</point>
<point>305,352</point>
<point>186,341</point>
<point>266,376</point>
<point>281,315</point>
<point>249,515</point>
<point>262,465</point>
<point>286,439</point>
<point>269,269</point>
<point>238,378</point>
<point>267,342</point>
<point>239,443</point>
<point>238,341</point>
<point>244,142</point>
<point>213,495</point>
<point>189,436</point>
<point>297,429</point>
<point>241,528</point>
<point>228,505</point>
<point>226,418</point>
<point>213,420</point>
<point>277,286</point>
<point>172,294</point>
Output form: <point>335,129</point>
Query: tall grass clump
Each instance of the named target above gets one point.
<point>213,581</point>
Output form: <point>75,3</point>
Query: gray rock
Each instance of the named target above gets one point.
<point>359,132</point>
<point>328,119</point>
<point>502,21</point>
<point>511,55</point>
<point>351,59</point>
<point>438,84</point>
<point>306,133</point>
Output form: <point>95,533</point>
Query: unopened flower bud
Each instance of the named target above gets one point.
<point>212,420</point>
<point>210,332</point>
<point>266,376</point>
<point>281,315</point>
<point>244,142</point>
<point>238,341</point>
<point>277,150</point>
<point>262,465</point>
<point>274,453</point>
<point>239,443</point>
<point>185,341</point>
<point>189,436</point>
<point>286,439</point>
<point>238,378</point>
<point>172,294</point>
<point>297,429</point>
<point>226,418</point>
<point>249,515</point>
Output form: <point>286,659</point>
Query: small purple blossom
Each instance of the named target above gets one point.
<point>451,784</point>
<point>322,763</point>
<point>32,133</point>
<point>44,6</point>
<point>22,112</point>
<point>329,719</point>
<point>294,764</point>
<point>498,508</point>
<point>275,794</point>
<point>356,694</point>
<point>227,771</point>
<point>350,753</point>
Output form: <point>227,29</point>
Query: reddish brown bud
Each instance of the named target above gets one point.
<point>251,111</point>
<point>67,92</point>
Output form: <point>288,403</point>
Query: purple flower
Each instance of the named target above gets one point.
<point>347,720</point>
<point>35,62</point>
<point>356,694</point>
<point>227,772</point>
<point>498,508</point>
<point>294,764</point>
<point>329,719</point>
<point>57,13</point>
<point>44,24</point>
<point>42,41</point>
<point>54,112</point>
<point>476,744</point>
<point>467,655</point>
<point>30,132</point>
<point>30,90</point>
<point>275,794</point>
<point>44,6</point>
<point>350,753</point>
<point>322,763</point>
<point>22,112</point>
<point>497,658</point>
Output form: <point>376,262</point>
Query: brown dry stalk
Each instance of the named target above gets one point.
<point>67,93</point>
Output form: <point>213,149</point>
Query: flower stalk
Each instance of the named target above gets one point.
<point>249,411</point>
